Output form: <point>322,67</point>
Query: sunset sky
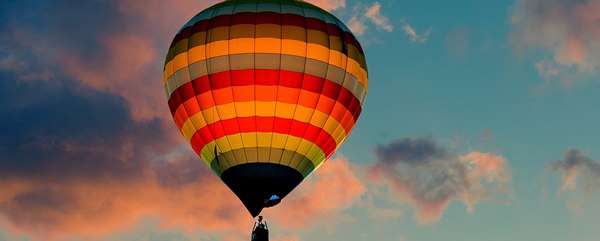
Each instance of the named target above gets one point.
<point>481,123</point>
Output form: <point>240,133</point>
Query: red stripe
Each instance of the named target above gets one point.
<point>265,78</point>
<point>316,24</point>
<point>313,83</point>
<point>183,34</point>
<point>220,21</point>
<point>345,97</point>
<point>265,124</point>
<point>174,101</point>
<point>293,20</point>
<point>268,18</point>
<point>220,80</point>
<point>200,26</point>
<point>243,18</point>
<point>331,89</point>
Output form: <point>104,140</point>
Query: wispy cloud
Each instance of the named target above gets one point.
<point>381,21</point>
<point>358,23</point>
<point>565,30</point>
<point>357,27</point>
<point>431,176</point>
<point>413,34</point>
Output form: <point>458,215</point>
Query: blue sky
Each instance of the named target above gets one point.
<point>512,83</point>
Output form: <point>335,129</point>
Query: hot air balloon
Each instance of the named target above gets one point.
<point>265,91</point>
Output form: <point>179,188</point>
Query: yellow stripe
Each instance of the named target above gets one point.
<point>293,47</point>
<point>285,110</point>
<point>235,141</point>
<point>225,112</point>
<point>265,109</point>
<point>266,45</point>
<point>250,139</point>
<point>303,113</point>
<point>339,135</point>
<point>315,153</point>
<point>279,140</point>
<point>241,45</point>
<point>318,118</point>
<point>208,116</point>
<point>364,80</point>
<point>270,46</point>
<point>318,52</point>
<point>353,68</point>
<point>245,109</point>
<point>196,54</point>
<point>218,48</point>
<point>180,61</point>
<point>264,139</point>
<point>165,77</point>
<point>207,154</point>
<point>169,69</point>
<point>306,147</point>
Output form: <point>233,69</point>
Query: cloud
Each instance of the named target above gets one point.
<point>124,68</point>
<point>294,238</point>
<point>358,23</point>
<point>88,170</point>
<point>574,164</point>
<point>329,190</point>
<point>121,54</point>
<point>430,176</point>
<point>75,165</point>
<point>413,34</point>
<point>87,147</point>
<point>329,5</point>
<point>377,18</point>
<point>357,27</point>
<point>457,41</point>
<point>568,31</point>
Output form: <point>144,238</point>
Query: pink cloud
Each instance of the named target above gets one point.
<point>566,30</point>
<point>97,208</point>
<point>358,23</point>
<point>413,34</point>
<point>430,177</point>
<point>294,238</point>
<point>329,5</point>
<point>92,209</point>
<point>357,27</point>
<point>332,188</point>
<point>381,21</point>
<point>123,59</point>
<point>125,69</point>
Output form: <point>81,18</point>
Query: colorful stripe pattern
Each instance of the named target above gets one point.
<point>265,81</point>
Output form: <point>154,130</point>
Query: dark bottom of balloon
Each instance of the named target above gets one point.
<point>260,185</point>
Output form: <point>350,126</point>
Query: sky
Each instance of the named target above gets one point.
<point>481,123</point>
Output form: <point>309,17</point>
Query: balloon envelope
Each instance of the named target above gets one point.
<point>265,91</point>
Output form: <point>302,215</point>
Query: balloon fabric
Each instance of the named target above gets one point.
<point>265,91</point>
